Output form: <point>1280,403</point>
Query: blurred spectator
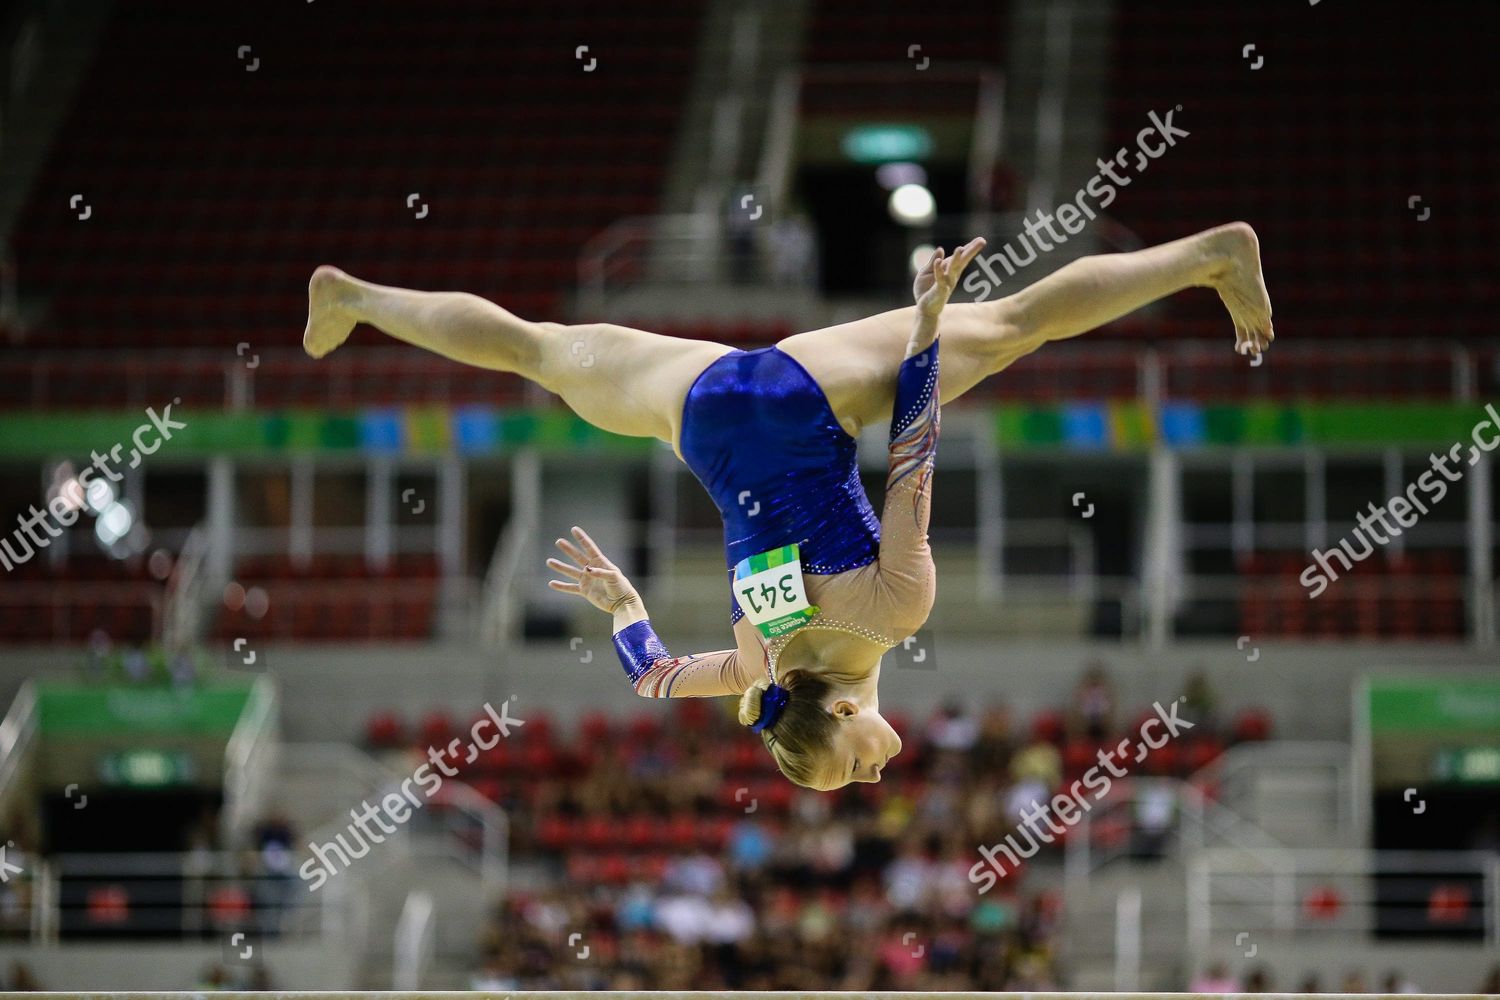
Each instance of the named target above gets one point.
<point>952,728</point>
<point>1397,982</point>
<point>995,743</point>
<point>1258,980</point>
<point>22,980</point>
<point>1354,982</point>
<point>1214,979</point>
<point>698,875</point>
<point>493,976</point>
<point>750,846</point>
<point>1036,770</point>
<point>908,878</point>
<point>1155,817</point>
<point>275,841</point>
<point>866,889</point>
<point>1200,705</point>
<point>730,919</point>
<point>794,258</point>
<point>1093,708</point>
<point>213,977</point>
<point>684,916</point>
<point>1491,984</point>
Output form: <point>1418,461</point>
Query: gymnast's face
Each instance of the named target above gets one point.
<point>863,742</point>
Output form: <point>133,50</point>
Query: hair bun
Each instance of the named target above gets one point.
<point>750,701</point>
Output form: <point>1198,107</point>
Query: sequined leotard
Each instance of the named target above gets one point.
<point>759,434</point>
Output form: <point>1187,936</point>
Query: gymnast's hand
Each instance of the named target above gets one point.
<point>937,279</point>
<point>595,578</point>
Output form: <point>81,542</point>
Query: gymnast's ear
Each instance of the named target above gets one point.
<point>843,708</point>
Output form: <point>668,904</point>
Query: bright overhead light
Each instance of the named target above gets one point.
<point>920,255</point>
<point>912,205</point>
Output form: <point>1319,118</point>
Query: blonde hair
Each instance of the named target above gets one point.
<point>803,735</point>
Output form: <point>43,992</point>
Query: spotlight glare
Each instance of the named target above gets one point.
<point>234,596</point>
<point>920,254</point>
<point>115,522</point>
<point>100,495</point>
<point>912,205</point>
<point>257,602</point>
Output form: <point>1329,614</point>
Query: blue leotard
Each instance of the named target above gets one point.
<point>760,436</point>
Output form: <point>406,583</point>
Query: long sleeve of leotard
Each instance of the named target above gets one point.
<point>907,580</point>
<point>656,673</point>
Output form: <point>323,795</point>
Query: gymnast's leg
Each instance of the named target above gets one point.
<point>619,379</point>
<point>856,363</point>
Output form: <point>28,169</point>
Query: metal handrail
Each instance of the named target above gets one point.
<point>415,941</point>
<point>182,612</point>
<point>1203,821</point>
<point>501,599</point>
<point>17,731</point>
<point>249,757</point>
<point>1274,876</point>
<point>1230,769</point>
<point>374,779</point>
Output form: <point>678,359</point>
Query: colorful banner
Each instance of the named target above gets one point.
<point>478,430</point>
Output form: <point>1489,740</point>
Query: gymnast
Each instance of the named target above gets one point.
<point>820,586</point>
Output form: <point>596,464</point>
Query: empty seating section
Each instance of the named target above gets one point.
<point>853,31</point>
<point>218,159</point>
<point>899,59</point>
<point>223,156</point>
<point>1322,148</point>
<point>1414,595</point>
<point>70,602</point>
<point>333,598</point>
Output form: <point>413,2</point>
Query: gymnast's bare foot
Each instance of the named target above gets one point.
<point>1241,286</point>
<point>329,322</point>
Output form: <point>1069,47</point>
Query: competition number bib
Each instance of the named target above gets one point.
<point>769,590</point>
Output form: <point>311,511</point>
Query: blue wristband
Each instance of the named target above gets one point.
<point>916,381</point>
<point>639,647</point>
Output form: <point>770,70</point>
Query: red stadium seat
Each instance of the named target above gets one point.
<point>384,731</point>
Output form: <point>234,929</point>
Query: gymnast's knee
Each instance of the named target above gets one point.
<point>564,352</point>
<point>1015,329</point>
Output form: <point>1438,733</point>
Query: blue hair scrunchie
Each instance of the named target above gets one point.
<point>772,702</point>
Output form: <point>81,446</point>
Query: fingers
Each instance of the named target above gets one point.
<point>595,555</point>
<point>968,253</point>
<point>954,266</point>
<point>588,555</point>
<point>558,566</point>
<point>934,263</point>
<point>572,551</point>
<point>566,588</point>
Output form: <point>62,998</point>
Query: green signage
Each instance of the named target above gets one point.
<point>1434,706</point>
<point>1469,765</point>
<point>887,143</point>
<point>147,769</point>
<point>74,710</point>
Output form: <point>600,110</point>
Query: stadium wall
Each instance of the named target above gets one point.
<point>330,691</point>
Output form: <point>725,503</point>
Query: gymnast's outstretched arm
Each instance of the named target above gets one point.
<point>906,581</point>
<point>653,671</point>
